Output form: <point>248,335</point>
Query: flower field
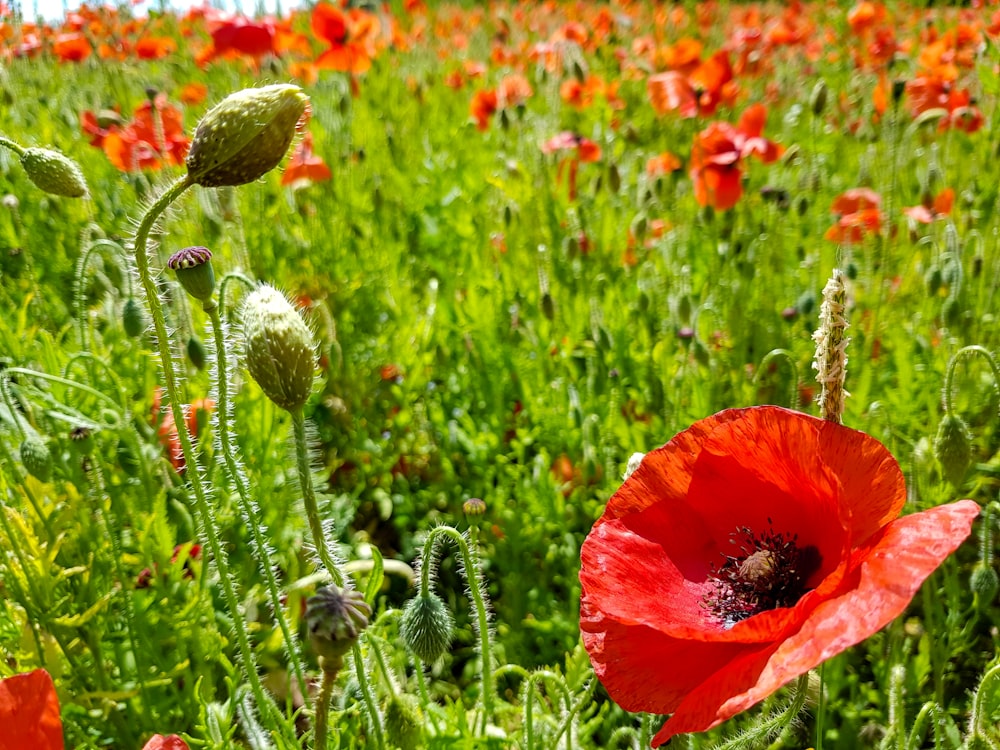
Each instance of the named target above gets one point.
<point>328,339</point>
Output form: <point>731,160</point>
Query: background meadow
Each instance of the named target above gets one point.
<point>518,273</point>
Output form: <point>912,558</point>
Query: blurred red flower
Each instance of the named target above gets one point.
<point>859,213</point>
<point>580,149</point>
<point>72,47</point>
<point>305,167</point>
<point>154,136</point>
<point>169,742</point>
<point>932,207</point>
<point>766,541</point>
<point>29,713</point>
<point>697,93</point>
<point>717,152</point>
<point>351,36</point>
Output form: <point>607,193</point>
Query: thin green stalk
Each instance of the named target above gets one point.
<point>309,498</point>
<point>369,697</point>
<point>323,708</point>
<point>967,351</point>
<point>16,148</point>
<point>821,708</point>
<point>248,507</point>
<point>66,382</point>
<point>193,473</point>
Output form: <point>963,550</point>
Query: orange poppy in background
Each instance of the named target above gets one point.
<point>29,713</point>
<point>155,136</point>
<point>717,154</point>
<point>932,208</point>
<point>305,167</point>
<point>662,164</point>
<point>154,47</point>
<point>766,541</point>
<point>482,107</point>
<point>859,214</point>
<point>71,47</point>
<point>350,36</point>
<point>579,150</point>
<point>698,93</point>
<point>193,93</point>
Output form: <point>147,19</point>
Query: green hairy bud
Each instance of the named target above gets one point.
<point>36,458</point>
<point>245,136</point>
<point>279,348</point>
<point>54,172</point>
<point>426,627</point>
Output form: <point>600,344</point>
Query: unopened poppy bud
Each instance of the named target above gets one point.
<point>279,348</point>
<point>36,458</point>
<point>196,352</point>
<point>817,101</point>
<point>54,172</point>
<point>953,448</point>
<point>426,627</point>
<point>133,318</point>
<point>474,506</point>
<point>245,136</point>
<point>984,583</point>
<point>335,618</point>
<point>403,721</point>
<point>193,266</point>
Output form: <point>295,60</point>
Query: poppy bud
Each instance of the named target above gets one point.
<point>133,318</point>
<point>933,279</point>
<point>36,457</point>
<point>54,172</point>
<point>82,440</point>
<point>984,583</point>
<point>474,506</point>
<point>335,618</point>
<point>403,721</point>
<point>196,352</point>
<point>279,348</point>
<point>953,448</point>
<point>817,101</point>
<point>426,627</point>
<point>245,136</point>
<point>193,266</point>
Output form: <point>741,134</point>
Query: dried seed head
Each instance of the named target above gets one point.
<point>54,172</point>
<point>279,348</point>
<point>245,136</point>
<point>426,627</point>
<point>193,266</point>
<point>831,349</point>
<point>953,448</point>
<point>335,618</point>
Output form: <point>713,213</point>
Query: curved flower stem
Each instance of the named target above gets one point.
<point>967,351</point>
<point>979,717</point>
<point>224,285</point>
<point>248,507</point>
<point>572,710</point>
<point>81,269</point>
<point>16,148</point>
<point>919,727</point>
<point>103,364</point>
<point>480,612</point>
<point>64,381</point>
<point>193,473</point>
<point>309,499</point>
<point>790,359</point>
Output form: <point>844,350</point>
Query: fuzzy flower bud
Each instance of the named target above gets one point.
<point>474,506</point>
<point>133,318</point>
<point>426,627</point>
<point>953,448</point>
<point>54,172</point>
<point>403,721</point>
<point>335,618</point>
<point>245,136</point>
<point>984,583</point>
<point>831,345</point>
<point>36,458</point>
<point>279,348</point>
<point>193,266</point>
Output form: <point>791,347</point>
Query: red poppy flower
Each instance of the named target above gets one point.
<point>29,712</point>
<point>305,167</point>
<point>718,151</point>
<point>155,135</point>
<point>932,208</point>
<point>169,742</point>
<point>698,93</point>
<point>859,213</point>
<point>72,47</point>
<point>751,547</point>
<point>581,150</point>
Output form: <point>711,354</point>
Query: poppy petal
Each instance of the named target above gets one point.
<point>29,713</point>
<point>890,570</point>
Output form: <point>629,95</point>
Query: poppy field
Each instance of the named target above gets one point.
<point>538,375</point>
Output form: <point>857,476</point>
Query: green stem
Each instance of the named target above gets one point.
<point>369,697</point>
<point>309,499</point>
<point>224,285</point>
<point>103,364</point>
<point>323,708</point>
<point>66,382</point>
<point>16,148</point>
<point>979,718</point>
<point>193,473</point>
<point>479,606</point>
<point>821,708</point>
<point>966,351</point>
<point>248,507</point>
<point>81,269</point>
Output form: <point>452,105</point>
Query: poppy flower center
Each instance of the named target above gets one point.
<point>767,571</point>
